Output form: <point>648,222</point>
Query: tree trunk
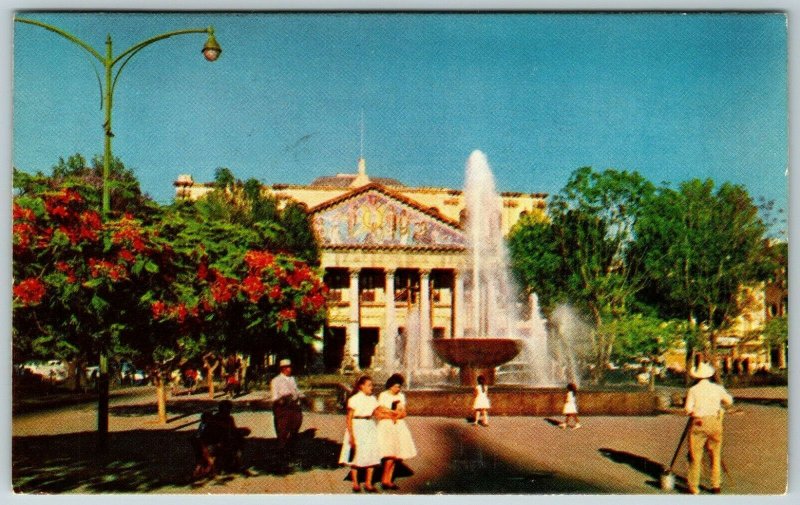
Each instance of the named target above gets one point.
<point>161,397</point>
<point>243,371</point>
<point>598,372</point>
<point>210,378</point>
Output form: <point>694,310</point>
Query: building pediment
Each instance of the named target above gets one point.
<point>375,217</point>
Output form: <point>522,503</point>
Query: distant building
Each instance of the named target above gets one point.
<point>387,250</point>
<point>742,348</point>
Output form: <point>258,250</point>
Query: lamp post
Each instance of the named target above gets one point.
<point>211,51</point>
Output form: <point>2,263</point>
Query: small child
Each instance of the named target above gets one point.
<point>571,407</point>
<point>481,405</point>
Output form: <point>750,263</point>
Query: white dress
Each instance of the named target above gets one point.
<point>570,406</point>
<point>394,438</point>
<point>481,398</point>
<point>364,432</point>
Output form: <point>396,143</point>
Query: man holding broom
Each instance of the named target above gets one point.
<point>704,403</point>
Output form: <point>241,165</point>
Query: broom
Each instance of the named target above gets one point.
<point>667,477</point>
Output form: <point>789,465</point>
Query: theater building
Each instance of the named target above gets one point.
<point>387,251</point>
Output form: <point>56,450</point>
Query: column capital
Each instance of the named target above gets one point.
<point>354,272</point>
<point>390,272</point>
<point>425,272</point>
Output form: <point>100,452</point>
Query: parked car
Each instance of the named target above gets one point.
<point>53,370</point>
<point>131,375</point>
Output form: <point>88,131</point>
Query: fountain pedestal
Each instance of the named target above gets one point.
<point>477,356</point>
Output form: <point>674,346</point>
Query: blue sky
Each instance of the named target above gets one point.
<point>672,96</point>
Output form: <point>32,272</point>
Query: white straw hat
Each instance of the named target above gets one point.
<point>284,362</point>
<point>704,371</point>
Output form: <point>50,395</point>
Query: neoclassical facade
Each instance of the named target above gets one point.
<point>388,251</point>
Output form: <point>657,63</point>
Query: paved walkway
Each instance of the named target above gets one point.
<point>54,451</point>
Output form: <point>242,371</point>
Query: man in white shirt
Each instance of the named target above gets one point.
<point>286,410</point>
<point>704,403</point>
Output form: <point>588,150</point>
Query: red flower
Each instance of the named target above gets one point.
<point>21,213</point>
<point>301,273</point>
<point>316,301</point>
<point>287,314</point>
<point>58,211</point>
<point>126,255</point>
<point>275,292</point>
<point>202,271</point>
<point>180,313</point>
<point>23,235</point>
<point>158,308</point>
<point>254,288</point>
<point>29,291</point>
<point>258,260</point>
<point>104,268</point>
<point>222,289</point>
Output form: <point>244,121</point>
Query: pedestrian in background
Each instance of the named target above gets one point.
<point>286,409</point>
<point>704,402</point>
<point>570,409</point>
<point>481,404</point>
<point>360,446</point>
<point>394,438</point>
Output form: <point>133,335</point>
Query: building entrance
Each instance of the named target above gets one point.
<point>367,342</point>
<point>333,351</point>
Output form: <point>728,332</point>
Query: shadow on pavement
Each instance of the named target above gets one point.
<point>142,461</point>
<point>478,468</point>
<point>184,407</point>
<point>767,402</point>
<point>641,464</point>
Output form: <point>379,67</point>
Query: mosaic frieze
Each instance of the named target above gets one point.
<point>372,218</point>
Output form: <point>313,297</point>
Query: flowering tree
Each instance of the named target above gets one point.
<point>78,282</point>
<point>233,298</point>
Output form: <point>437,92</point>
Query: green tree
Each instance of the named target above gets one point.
<point>299,237</point>
<point>79,282</point>
<point>776,333</point>
<point>87,180</point>
<point>637,336</point>
<point>700,247</point>
<point>585,254</point>
<point>535,260</point>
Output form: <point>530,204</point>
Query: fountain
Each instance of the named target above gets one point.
<point>495,332</point>
<point>492,322</point>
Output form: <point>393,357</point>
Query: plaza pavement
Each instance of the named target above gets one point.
<point>54,451</point>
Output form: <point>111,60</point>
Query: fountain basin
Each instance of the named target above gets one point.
<point>527,401</point>
<point>477,356</point>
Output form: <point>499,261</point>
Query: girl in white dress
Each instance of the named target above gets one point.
<point>481,405</point>
<point>571,407</point>
<point>394,438</point>
<point>362,434</point>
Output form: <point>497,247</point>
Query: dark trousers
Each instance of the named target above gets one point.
<point>288,417</point>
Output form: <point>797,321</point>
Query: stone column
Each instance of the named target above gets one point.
<point>458,304</point>
<point>389,336</point>
<point>350,361</point>
<point>425,351</point>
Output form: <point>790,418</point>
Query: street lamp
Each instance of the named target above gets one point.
<point>211,51</point>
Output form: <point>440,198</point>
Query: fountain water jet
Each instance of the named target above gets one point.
<point>495,332</point>
<point>491,317</point>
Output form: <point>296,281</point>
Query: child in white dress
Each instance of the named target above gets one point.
<point>481,405</point>
<point>394,438</point>
<point>571,407</point>
<point>362,435</point>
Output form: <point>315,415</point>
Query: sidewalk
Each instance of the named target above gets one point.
<point>54,452</point>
